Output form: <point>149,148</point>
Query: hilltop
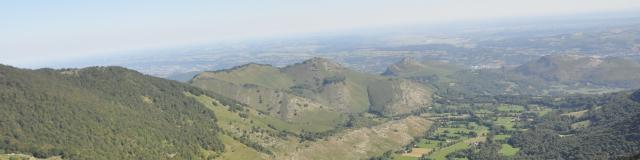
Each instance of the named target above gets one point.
<point>314,85</point>
<point>411,68</point>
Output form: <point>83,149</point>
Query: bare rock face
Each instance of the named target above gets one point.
<point>365,142</point>
<point>337,94</point>
<point>409,97</point>
<point>398,97</point>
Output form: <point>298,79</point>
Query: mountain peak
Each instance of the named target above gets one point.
<point>321,64</point>
<point>317,60</point>
<point>248,66</point>
<point>407,64</point>
<point>254,65</point>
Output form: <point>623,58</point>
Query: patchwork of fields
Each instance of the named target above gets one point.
<point>456,131</point>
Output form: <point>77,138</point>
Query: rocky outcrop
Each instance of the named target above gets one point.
<point>398,97</point>
<point>362,143</point>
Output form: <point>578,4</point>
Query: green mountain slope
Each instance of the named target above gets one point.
<point>250,134</point>
<point>315,85</point>
<point>102,113</point>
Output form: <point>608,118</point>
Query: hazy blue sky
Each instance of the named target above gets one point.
<point>34,31</point>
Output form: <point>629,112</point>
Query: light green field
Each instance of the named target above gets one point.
<point>405,158</point>
<point>482,111</point>
<point>441,154</point>
<point>453,131</point>
<point>507,122</point>
<point>577,114</point>
<point>510,108</point>
<point>424,143</point>
<point>501,137</point>
<point>540,110</point>
<point>544,112</point>
<point>508,150</point>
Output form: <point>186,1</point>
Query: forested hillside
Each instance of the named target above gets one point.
<point>102,113</point>
<point>586,127</point>
<point>613,131</point>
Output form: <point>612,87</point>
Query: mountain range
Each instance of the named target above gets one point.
<point>551,74</point>
<point>315,85</point>
<point>318,109</point>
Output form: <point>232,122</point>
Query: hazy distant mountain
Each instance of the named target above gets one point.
<point>102,113</point>
<point>557,74</point>
<point>410,67</point>
<point>617,72</point>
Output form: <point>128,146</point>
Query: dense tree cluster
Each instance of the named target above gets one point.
<point>613,133</point>
<point>102,113</point>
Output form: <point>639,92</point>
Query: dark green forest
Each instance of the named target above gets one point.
<point>102,113</point>
<point>614,132</point>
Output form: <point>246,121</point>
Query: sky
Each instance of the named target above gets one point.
<point>38,31</point>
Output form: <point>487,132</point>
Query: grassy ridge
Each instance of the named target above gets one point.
<point>271,89</point>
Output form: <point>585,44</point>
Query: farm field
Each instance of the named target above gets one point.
<point>510,108</point>
<point>502,137</point>
<point>457,131</point>
<point>508,150</point>
<point>577,114</point>
<point>458,135</point>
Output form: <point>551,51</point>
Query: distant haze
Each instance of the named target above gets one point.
<point>34,32</point>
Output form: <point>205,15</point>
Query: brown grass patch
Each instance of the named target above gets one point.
<point>417,152</point>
